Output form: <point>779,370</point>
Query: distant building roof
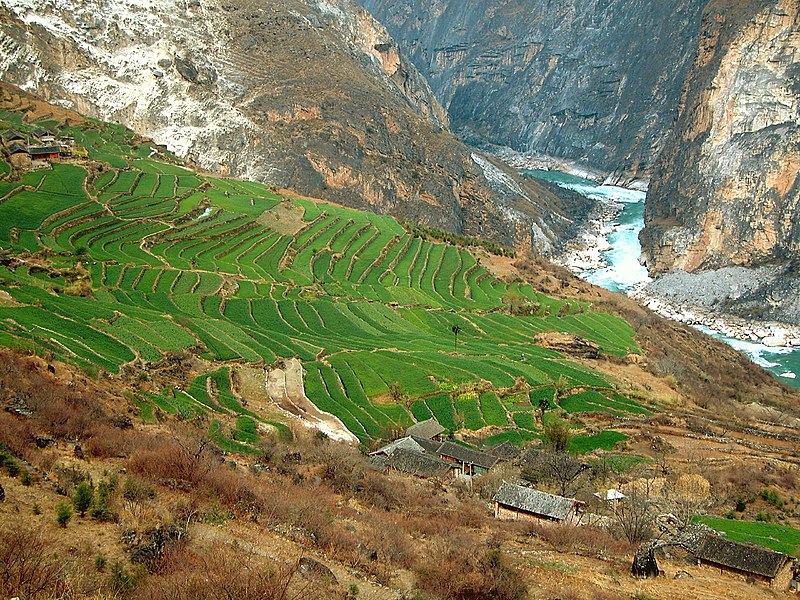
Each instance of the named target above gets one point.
<point>610,494</point>
<point>431,446</point>
<point>16,148</point>
<point>420,464</point>
<point>43,150</point>
<point>378,462</point>
<point>405,442</point>
<point>427,429</point>
<point>467,455</point>
<point>748,558</point>
<point>40,132</point>
<point>11,135</point>
<point>504,450</point>
<point>535,502</point>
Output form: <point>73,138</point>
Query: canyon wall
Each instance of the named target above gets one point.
<point>725,191</point>
<point>722,218</point>
<point>596,81</point>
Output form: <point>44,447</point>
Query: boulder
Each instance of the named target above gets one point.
<point>313,569</point>
<point>568,344</point>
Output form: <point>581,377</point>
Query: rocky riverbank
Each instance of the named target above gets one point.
<point>702,298</point>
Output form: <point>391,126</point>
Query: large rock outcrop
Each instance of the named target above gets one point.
<point>596,81</point>
<point>311,95</point>
<point>726,190</point>
<point>725,194</point>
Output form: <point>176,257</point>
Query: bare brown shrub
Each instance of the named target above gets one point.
<point>221,571</point>
<point>104,441</point>
<point>591,541</point>
<point>180,461</point>
<point>16,434</point>
<point>454,570</point>
<point>28,564</point>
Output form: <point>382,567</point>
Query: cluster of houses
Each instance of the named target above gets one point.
<point>38,148</point>
<point>424,452</point>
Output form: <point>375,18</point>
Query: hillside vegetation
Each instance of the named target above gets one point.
<point>125,262</point>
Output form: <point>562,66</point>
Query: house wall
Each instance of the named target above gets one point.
<point>743,574</point>
<point>20,160</point>
<point>783,580</point>
<point>510,514</point>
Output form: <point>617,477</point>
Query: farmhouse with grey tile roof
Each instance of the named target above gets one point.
<point>428,429</point>
<point>504,451</point>
<point>431,446</point>
<point>471,462</point>
<point>405,442</point>
<point>420,464</point>
<point>520,502</point>
<point>746,559</point>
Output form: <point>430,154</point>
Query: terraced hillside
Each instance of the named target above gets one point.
<point>122,260</point>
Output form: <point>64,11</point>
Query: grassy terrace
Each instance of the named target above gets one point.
<point>143,258</point>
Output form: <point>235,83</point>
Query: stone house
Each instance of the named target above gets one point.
<point>518,502</point>
<point>18,156</point>
<point>429,429</point>
<point>748,560</point>
<point>416,463</point>
<point>468,461</point>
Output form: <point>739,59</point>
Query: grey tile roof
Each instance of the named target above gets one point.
<point>41,132</point>
<point>36,150</point>
<point>378,462</point>
<point>467,455</point>
<point>15,147</point>
<point>740,556</point>
<point>11,134</point>
<point>431,446</point>
<point>418,463</point>
<point>533,501</point>
<point>405,442</point>
<point>504,450</point>
<point>426,429</point>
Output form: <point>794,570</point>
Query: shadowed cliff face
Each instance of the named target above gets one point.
<point>596,81</point>
<point>311,95</point>
<point>726,189</point>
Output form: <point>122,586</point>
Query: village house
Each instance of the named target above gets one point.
<point>420,464</point>
<point>44,152</point>
<point>517,502</point>
<point>405,442</point>
<point>505,451</point>
<point>18,156</point>
<point>11,136</point>
<point>430,429</point>
<point>469,461</point>
<point>40,133</point>
<point>749,560</point>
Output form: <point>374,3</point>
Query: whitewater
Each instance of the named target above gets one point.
<point>608,256</point>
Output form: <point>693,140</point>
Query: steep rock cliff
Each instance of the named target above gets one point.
<point>311,95</point>
<point>597,81</point>
<point>726,189</point>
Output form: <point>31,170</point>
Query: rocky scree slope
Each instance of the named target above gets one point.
<point>726,191</point>
<point>309,95</point>
<point>597,81</point>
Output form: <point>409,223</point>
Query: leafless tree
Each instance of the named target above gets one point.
<point>558,468</point>
<point>635,515</point>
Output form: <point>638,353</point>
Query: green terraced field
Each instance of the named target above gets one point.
<point>173,261</point>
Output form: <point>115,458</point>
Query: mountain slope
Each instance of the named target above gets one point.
<point>312,96</point>
<point>726,191</point>
<point>589,80</point>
